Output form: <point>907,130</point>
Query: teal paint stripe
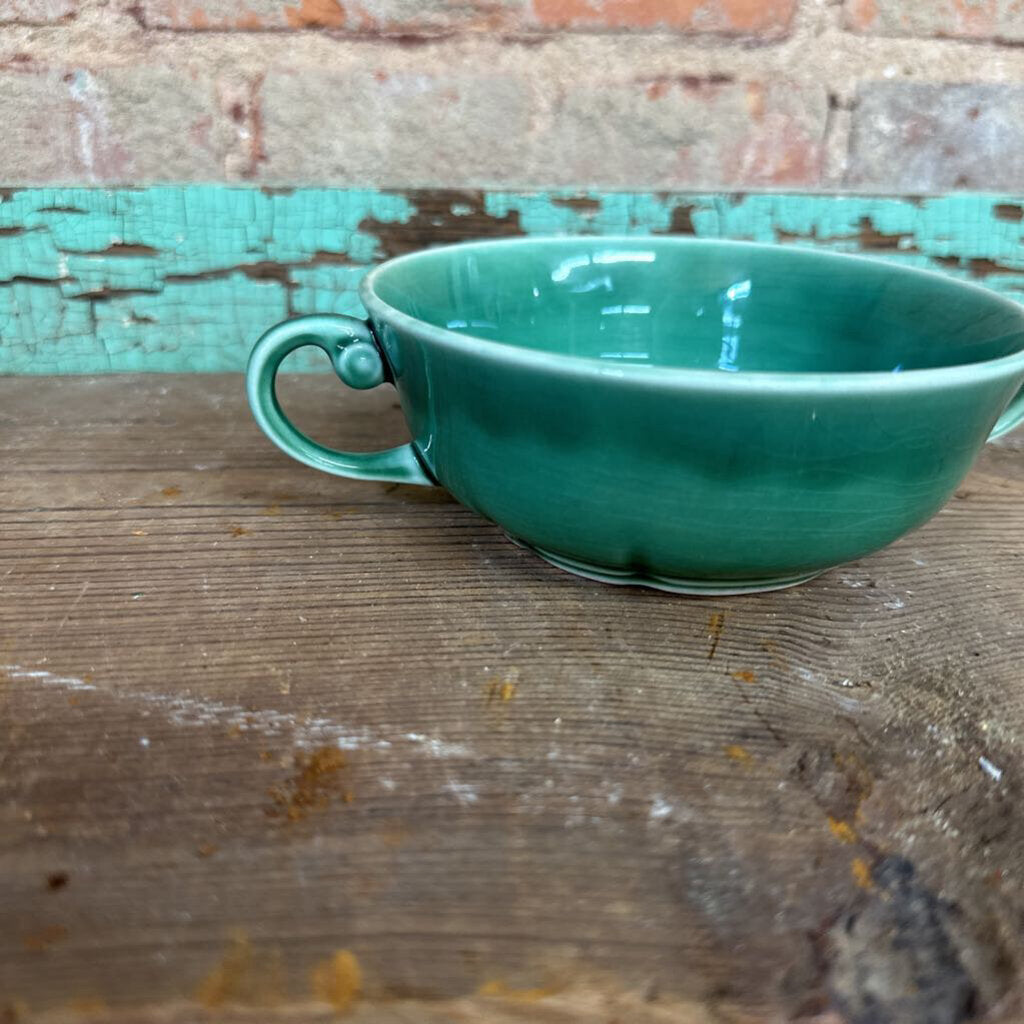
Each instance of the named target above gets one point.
<point>185,278</point>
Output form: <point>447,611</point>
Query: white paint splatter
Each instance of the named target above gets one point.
<point>306,732</point>
<point>462,792</point>
<point>82,89</point>
<point>849,704</point>
<point>990,769</point>
<point>808,676</point>
<point>198,712</point>
<point>67,682</point>
<point>852,581</point>
<point>894,604</point>
<point>143,741</point>
<point>661,809</point>
<point>436,747</point>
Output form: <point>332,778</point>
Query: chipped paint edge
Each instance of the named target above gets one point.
<point>184,278</point>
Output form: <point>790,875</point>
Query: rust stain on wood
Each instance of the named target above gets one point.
<point>338,980</point>
<point>861,871</point>
<point>502,690</point>
<point>842,830</point>
<point>45,938</point>
<point>244,976</point>
<point>316,783</point>
<point>738,753</point>
<point>495,988</point>
<point>716,626</point>
<point>89,1005</point>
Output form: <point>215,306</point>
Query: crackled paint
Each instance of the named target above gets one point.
<point>186,278</point>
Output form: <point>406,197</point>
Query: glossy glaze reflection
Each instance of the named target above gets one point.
<point>730,306</point>
<point>711,417</point>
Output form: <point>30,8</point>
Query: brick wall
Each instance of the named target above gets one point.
<point>874,95</point>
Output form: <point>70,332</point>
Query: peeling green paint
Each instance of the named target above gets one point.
<point>185,278</point>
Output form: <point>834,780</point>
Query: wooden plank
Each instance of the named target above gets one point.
<point>185,278</point>
<point>280,742</point>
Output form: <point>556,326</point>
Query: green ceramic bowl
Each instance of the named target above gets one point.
<point>698,416</point>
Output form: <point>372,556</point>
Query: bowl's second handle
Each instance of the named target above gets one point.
<point>1012,417</point>
<point>353,351</point>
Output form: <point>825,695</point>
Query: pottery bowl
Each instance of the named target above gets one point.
<point>699,416</point>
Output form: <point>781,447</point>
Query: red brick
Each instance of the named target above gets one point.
<point>764,18</point>
<point>961,19</point>
<point>366,126</point>
<point>36,12</point>
<point>112,126</point>
<point>688,133</point>
<point>733,17</point>
<point>316,14</point>
<point>922,137</point>
<point>383,127</point>
<point>349,16</point>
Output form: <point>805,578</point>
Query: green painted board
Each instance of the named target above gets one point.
<point>185,278</point>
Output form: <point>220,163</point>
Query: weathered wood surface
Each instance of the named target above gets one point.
<point>179,278</point>
<point>273,743</point>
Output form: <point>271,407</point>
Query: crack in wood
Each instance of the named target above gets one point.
<point>117,249</point>
<point>61,209</point>
<point>442,216</point>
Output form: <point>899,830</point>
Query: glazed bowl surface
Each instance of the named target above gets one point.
<point>702,416</point>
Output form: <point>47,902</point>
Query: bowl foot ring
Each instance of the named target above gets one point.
<point>670,584</point>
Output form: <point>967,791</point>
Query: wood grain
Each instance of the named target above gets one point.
<point>554,800</point>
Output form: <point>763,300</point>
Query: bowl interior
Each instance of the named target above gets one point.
<point>729,306</point>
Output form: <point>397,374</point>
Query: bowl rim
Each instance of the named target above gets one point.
<point>648,376</point>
